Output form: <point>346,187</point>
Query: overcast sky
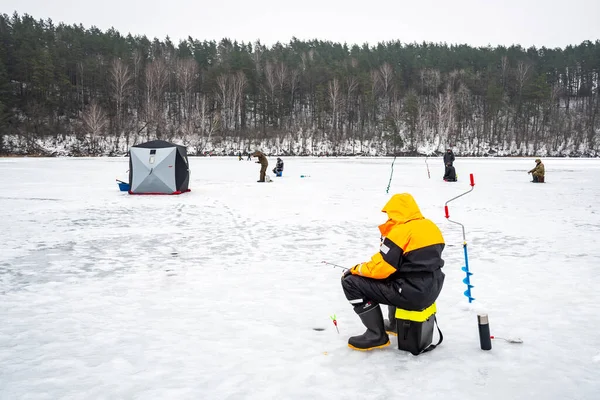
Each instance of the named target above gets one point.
<point>549,23</point>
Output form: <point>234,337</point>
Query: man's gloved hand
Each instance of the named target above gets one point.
<point>347,272</point>
<point>351,270</point>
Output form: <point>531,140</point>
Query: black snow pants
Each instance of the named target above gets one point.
<point>416,292</point>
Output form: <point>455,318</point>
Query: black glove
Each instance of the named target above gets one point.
<point>346,273</point>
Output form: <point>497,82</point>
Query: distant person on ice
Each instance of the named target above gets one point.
<point>538,172</point>
<point>449,157</point>
<point>278,167</point>
<point>448,162</point>
<point>405,273</point>
<point>262,159</point>
<point>450,174</point>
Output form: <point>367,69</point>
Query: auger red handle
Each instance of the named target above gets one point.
<point>472,179</point>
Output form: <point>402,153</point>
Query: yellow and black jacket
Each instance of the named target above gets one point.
<point>411,251</point>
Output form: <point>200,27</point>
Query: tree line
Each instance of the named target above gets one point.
<point>107,91</point>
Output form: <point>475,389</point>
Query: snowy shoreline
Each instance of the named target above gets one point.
<point>309,156</point>
<point>297,146</point>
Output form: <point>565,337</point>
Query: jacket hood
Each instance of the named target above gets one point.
<point>537,160</point>
<point>400,209</point>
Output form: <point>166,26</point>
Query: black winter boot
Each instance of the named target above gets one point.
<point>390,323</point>
<point>375,336</point>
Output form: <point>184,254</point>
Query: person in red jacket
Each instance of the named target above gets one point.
<point>405,273</point>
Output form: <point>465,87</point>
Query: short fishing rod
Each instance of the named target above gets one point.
<point>334,265</point>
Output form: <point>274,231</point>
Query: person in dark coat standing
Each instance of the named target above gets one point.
<point>449,164</point>
<point>405,273</point>
<point>264,163</point>
<point>449,157</point>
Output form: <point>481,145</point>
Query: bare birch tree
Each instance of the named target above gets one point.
<point>375,90</point>
<point>375,82</point>
<point>386,74</point>
<point>430,81</point>
<point>156,81</point>
<point>294,80</point>
<point>120,82</point>
<point>94,119</point>
<point>223,96</point>
<point>351,88</point>
<point>523,70</point>
<point>186,74</point>
<point>334,99</point>
<point>463,103</point>
<point>136,58</point>
<point>304,60</point>
<point>281,73</point>
<point>239,86</point>
<point>444,107</point>
<point>397,115</point>
<point>271,85</point>
<point>205,123</point>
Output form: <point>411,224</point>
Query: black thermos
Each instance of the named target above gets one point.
<point>484,332</point>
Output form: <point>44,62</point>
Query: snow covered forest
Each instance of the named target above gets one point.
<point>72,90</point>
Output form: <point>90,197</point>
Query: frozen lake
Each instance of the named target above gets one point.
<point>214,294</point>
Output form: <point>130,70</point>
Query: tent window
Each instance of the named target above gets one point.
<point>152,151</point>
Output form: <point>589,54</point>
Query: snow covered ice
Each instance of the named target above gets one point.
<point>214,294</point>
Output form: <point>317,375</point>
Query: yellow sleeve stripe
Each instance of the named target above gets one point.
<point>377,268</point>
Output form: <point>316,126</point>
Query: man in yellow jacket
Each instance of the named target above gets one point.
<point>405,273</point>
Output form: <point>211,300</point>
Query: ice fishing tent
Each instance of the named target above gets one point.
<point>158,167</point>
